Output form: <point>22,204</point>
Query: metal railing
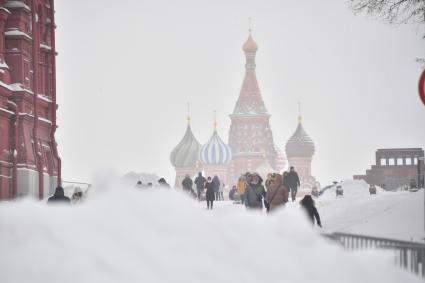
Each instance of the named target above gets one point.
<point>408,255</point>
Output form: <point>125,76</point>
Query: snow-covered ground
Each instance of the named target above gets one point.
<point>396,215</point>
<point>125,235</point>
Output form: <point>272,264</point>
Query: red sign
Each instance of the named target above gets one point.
<point>422,87</point>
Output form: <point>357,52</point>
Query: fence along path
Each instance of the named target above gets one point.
<point>408,255</point>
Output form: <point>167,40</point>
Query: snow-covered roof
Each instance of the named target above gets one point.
<point>45,46</point>
<point>17,5</point>
<point>6,10</point>
<point>44,97</point>
<point>16,32</point>
<point>7,111</point>
<point>3,65</point>
<point>45,120</point>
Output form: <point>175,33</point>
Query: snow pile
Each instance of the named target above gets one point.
<point>125,235</point>
<point>396,215</point>
<point>352,189</point>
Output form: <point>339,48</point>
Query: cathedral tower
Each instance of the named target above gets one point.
<point>250,135</point>
<point>300,150</point>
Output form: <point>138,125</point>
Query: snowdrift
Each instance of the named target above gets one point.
<point>125,235</point>
<point>396,215</point>
<point>352,189</point>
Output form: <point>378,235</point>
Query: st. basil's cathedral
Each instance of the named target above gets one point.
<point>250,147</point>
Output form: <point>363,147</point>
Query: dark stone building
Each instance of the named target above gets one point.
<point>396,167</point>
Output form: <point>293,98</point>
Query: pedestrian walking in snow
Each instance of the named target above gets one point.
<point>232,193</point>
<point>277,193</point>
<point>210,193</point>
<point>293,182</point>
<point>241,187</point>
<point>216,181</point>
<point>221,191</point>
<point>255,192</point>
<point>200,185</point>
<point>187,184</point>
<point>59,197</point>
<point>308,204</point>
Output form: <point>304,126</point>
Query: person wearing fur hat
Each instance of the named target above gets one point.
<point>255,192</point>
<point>308,204</point>
<point>277,194</point>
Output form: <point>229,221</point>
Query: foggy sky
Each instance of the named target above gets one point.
<point>126,70</point>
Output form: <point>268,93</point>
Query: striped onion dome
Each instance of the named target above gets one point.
<point>186,153</point>
<point>215,152</point>
<point>300,144</point>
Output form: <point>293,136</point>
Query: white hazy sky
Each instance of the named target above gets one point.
<point>127,68</point>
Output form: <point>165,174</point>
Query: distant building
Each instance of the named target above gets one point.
<point>250,147</point>
<point>29,160</point>
<point>395,167</point>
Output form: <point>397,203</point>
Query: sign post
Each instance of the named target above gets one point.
<point>422,87</point>
<point>420,178</point>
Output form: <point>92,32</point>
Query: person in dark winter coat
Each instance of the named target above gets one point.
<point>293,182</point>
<point>308,204</point>
<point>216,182</point>
<point>187,184</point>
<point>210,193</point>
<point>59,197</point>
<point>232,193</point>
<point>255,192</point>
<point>200,184</point>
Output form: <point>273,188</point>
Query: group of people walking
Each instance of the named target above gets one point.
<point>213,187</point>
<point>250,189</point>
<point>252,192</point>
<point>274,193</point>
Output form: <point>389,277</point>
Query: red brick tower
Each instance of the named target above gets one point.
<point>250,135</point>
<point>29,161</point>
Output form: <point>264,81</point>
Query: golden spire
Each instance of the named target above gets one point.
<point>300,119</point>
<point>250,45</point>
<point>188,114</point>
